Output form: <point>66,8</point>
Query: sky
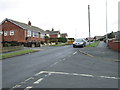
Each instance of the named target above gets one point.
<point>67,16</point>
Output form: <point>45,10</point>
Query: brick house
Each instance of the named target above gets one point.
<point>64,35</point>
<point>53,35</point>
<point>14,31</point>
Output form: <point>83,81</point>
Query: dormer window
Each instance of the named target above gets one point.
<point>11,32</point>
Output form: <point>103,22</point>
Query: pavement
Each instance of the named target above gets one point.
<point>63,67</point>
<point>102,51</point>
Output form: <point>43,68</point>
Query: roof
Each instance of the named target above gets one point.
<point>63,33</point>
<point>26,26</point>
<point>52,32</point>
<point>117,33</point>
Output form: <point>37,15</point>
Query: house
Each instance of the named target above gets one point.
<point>64,35</point>
<point>53,35</point>
<point>117,35</point>
<point>21,33</point>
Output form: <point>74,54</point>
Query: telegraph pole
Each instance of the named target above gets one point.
<point>106,25</point>
<point>89,21</point>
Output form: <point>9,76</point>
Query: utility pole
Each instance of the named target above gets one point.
<point>106,26</point>
<point>89,21</point>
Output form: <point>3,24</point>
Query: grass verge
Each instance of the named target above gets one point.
<point>95,44</point>
<point>17,53</point>
<point>11,48</point>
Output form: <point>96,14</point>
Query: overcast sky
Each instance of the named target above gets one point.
<point>68,16</point>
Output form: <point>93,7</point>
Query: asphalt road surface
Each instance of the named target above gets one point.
<point>61,67</point>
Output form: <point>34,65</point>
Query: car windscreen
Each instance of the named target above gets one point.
<point>79,40</point>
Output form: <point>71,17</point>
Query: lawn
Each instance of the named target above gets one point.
<point>17,53</point>
<point>95,44</point>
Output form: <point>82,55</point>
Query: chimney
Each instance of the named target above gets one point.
<point>52,29</point>
<point>29,23</point>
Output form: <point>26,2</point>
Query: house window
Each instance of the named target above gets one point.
<point>58,35</point>
<point>42,35</point>
<point>48,35</point>
<point>5,33</point>
<point>12,32</point>
<point>35,34</point>
<point>29,33</point>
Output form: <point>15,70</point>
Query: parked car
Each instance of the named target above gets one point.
<point>79,43</point>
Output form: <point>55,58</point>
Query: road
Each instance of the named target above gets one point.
<point>61,67</point>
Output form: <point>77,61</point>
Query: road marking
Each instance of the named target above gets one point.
<point>55,63</point>
<point>29,79</point>
<point>74,53</point>
<point>86,53</point>
<point>27,88</point>
<point>76,74</point>
<point>38,73</point>
<point>108,77</point>
<point>16,86</point>
<point>38,81</point>
<point>64,59</point>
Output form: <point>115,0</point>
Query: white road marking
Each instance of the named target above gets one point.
<point>86,53</point>
<point>52,65</point>
<point>108,77</point>
<point>38,73</point>
<point>74,53</point>
<point>29,79</point>
<point>55,63</point>
<point>23,82</point>
<point>27,88</point>
<point>16,86</point>
<point>64,59</point>
<point>76,74</point>
<point>38,81</point>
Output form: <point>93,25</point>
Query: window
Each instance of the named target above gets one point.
<point>58,35</point>
<point>42,35</point>
<point>5,33</point>
<point>48,35</point>
<point>29,33</point>
<point>35,34</point>
<point>12,32</point>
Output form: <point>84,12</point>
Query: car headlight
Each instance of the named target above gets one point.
<point>81,43</point>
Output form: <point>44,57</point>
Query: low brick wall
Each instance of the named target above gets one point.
<point>115,45</point>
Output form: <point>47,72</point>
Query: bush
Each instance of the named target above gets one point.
<point>62,39</point>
